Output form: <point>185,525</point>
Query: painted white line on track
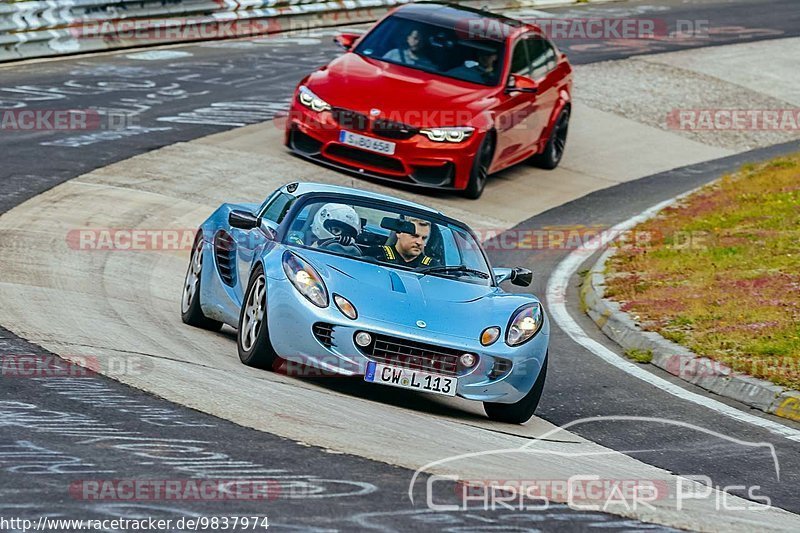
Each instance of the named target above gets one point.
<point>556,304</point>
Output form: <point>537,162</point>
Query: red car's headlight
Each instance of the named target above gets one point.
<point>311,100</point>
<point>448,135</point>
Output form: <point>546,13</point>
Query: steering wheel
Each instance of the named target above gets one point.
<point>333,244</point>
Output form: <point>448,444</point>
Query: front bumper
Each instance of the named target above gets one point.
<point>291,319</point>
<point>417,161</point>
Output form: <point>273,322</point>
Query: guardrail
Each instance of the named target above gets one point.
<point>31,29</point>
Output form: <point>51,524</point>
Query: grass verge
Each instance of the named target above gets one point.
<point>720,272</point>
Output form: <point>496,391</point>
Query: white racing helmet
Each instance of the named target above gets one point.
<point>331,215</point>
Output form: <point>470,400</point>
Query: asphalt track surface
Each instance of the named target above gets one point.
<point>38,459</point>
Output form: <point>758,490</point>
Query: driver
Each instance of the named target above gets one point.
<point>409,250</point>
<point>481,71</point>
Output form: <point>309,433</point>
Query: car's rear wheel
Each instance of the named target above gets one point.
<point>191,312</point>
<point>252,339</point>
<point>480,168</point>
<point>556,144</point>
<point>521,411</point>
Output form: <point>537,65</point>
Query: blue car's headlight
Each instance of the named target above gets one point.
<point>524,324</point>
<point>311,100</point>
<point>305,279</point>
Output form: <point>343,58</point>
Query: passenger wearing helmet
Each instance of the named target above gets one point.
<point>336,223</point>
<point>335,227</point>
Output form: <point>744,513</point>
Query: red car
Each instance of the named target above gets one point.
<point>436,95</point>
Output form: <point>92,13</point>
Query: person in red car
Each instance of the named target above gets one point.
<point>482,71</point>
<point>412,53</point>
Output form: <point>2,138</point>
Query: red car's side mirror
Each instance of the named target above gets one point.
<point>521,84</point>
<point>346,40</point>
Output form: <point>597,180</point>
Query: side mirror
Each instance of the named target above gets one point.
<point>521,84</point>
<point>346,40</point>
<point>242,219</point>
<point>398,225</point>
<point>517,276</point>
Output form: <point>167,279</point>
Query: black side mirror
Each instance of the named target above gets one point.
<point>242,219</point>
<point>517,276</point>
<point>398,225</point>
<point>521,277</point>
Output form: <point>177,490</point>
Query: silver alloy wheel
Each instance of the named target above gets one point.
<point>253,314</point>
<point>192,276</point>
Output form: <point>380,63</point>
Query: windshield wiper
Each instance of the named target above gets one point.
<point>454,269</point>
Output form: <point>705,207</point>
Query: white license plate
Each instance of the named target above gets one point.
<point>366,143</point>
<point>406,378</point>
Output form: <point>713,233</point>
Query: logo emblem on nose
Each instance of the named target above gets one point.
<point>374,112</point>
<point>421,324</point>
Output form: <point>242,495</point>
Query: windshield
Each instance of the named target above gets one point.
<point>435,49</point>
<point>389,235</point>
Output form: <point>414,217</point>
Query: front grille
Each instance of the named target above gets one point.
<point>353,120</point>
<point>324,333</point>
<point>393,130</point>
<point>367,158</point>
<point>225,253</point>
<point>350,119</point>
<point>412,354</point>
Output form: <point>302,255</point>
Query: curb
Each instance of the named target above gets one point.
<point>678,360</point>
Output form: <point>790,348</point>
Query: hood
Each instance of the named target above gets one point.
<point>402,93</point>
<point>401,298</point>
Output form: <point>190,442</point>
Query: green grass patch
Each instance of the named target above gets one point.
<point>721,272</point>
<point>640,356</point>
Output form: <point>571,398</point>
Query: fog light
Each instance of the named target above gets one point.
<point>363,339</point>
<point>468,360</point>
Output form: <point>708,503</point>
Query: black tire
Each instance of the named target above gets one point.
<point>521,411</point>
<point>255,350</point>
<point>480,168</point>
<point>556,144</point>
<point>191,312</point>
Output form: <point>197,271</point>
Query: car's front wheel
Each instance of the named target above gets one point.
<point>521,411</point>
<point>556,144</point>
<point>480,168</point>
<point>191,313</point>
<point>252,339</point>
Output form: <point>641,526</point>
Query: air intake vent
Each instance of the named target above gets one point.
<point>324,333</point>
<point>500,368</point>
<point>225,253</point>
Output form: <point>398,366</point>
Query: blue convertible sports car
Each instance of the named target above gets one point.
<point>356,283</point>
